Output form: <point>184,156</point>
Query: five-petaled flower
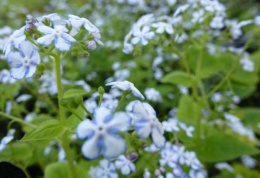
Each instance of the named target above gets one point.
<point>141,35</point>
<point>146,123</point>
<point>126,86</point>
<point>24,62</point>
<point>58,34</point>
<point>101,133</point>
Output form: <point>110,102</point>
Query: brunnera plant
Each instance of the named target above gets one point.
<point>193,81</point>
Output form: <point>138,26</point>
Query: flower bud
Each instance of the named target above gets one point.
<point>91,45</point>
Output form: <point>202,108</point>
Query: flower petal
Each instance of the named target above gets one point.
<point>62,44</point>
<point>17,73</point>
<point>45,29</point>
<point>142,127</point>
<point>101,114</point>
<point>121,122</point>
<point>26,48</point>
<point>139,110</point>
<point>46,40</point>
<point>85,129</point>
<point>14,59</point>
<point>29,71</point>
<point>158,138</point>
<point>91,149</point>
<point>114,146</point>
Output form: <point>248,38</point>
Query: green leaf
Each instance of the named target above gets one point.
<point>72,92</point>
<point>188,109</point>
<point>222,147</point>
<point>73,121</point>
<point>251,118</point>
<point>179,78</point>
<point>61,170</point>
<point>18,150</point>
<point>57,170</point>
<point>47,130</point>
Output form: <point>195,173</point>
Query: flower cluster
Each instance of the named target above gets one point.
<point>22,51</point>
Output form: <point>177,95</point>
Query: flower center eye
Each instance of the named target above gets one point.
<point>100,128</point>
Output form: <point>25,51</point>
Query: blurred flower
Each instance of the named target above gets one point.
<point>216,97</point>
<point>217,22</point>
<point>58,34</point>
<point>101,134</point>
<point>141,35</point>
<point>192,161</point>
<point>246,63</point>
<point>8,138</point>
<point>24,62</point>
<point>78,22</point>
<point>224,166</point>
<point>146,123</point>
<point>14,40</point>
<point>171,125</point>
<point>168,156</point>
<point>248,161</point>
<point>162,27</point>
<point>153,95</point>
<point>5,77</point>
<point>187,129</point>
<point>126,86</point>
<point>106,169</point>
<point>147,174</point>
<point>125,165</point>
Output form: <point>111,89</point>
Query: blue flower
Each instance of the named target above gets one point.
<point>125,165</point>
<point>126,86</point>
<point>146,123</point>
<point>106,169</point>
<point>101,134</point>
<point>24,62</point>
<point>62,40</point>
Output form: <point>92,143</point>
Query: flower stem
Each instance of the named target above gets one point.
<point>17,119</point>
<point>64,140</point>
<point>124,94</point>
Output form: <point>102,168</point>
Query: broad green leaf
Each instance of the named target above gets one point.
<point>251,118</point>
<point>179,78</point>
<point>57,170</point>
<point>61,170</point>
<point>47,130</point>
<point>18,151</point>
<point>222,147</point>
<point>73,121</point>
<point>72,92</point>
<point>188,109</point>
<point>242,90</point>
<point>37,120</point>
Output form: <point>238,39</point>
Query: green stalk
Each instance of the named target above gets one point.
<point>15,119</point>
<point>64,139</point>
<point>122,99</point>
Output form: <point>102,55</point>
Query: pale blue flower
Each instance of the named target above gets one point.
<point>168,156</point>
<point>146,123</point>
<point>126,86</point>
<point>101,134</point>
<point>192,161</point>
<point>78,22</point>
<point>141,35</point>
<point>58,34</point>
<point>24,62</point>
<point>106,169</point>
<point>126,166</point>
<point>14,40</point>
